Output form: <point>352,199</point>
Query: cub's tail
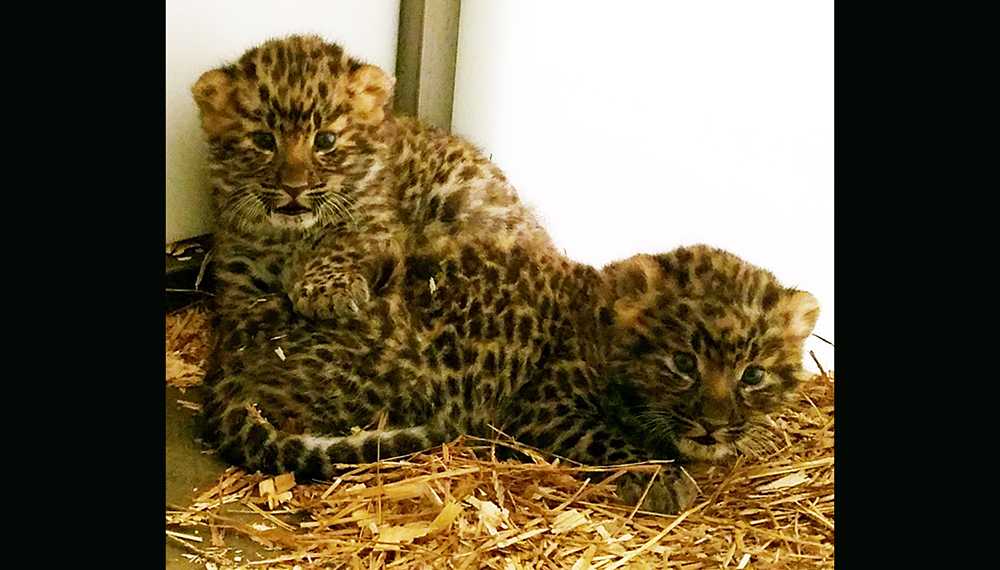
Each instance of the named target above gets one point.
<point>245,438</point>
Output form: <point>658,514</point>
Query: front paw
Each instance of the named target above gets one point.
<point>672,492</point>
<point>330,300</point>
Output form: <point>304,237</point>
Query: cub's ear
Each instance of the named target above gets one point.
<point>632,277</point>
<point>631,285</point>
<point>370,91</point>
<point>213,93</point>
<point>800,310</point>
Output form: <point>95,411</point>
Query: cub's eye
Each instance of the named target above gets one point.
<point>685,362</point>
<point>325,141</point>
<point>263,140</point>
<point>753,375</point>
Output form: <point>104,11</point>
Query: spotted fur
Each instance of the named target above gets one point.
<point>562,356</point>
<point>379,274</point>
<point>316,182</point>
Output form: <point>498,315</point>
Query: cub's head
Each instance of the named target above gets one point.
<point>292,132</point>
<point>705,344</point>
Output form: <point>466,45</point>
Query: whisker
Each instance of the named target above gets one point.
<point>328,210</point>
<point>245,206</point>
<point>339,206</point>
<point>347,207</point>
<point>758,440</point>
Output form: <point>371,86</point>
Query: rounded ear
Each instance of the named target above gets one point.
<point>802,311</point>
<point>213,95</point>
<point>632,277</point>
<point>630,284</point>
<point>371,93</point>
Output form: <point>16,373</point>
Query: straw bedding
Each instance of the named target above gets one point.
<point>456,506</point>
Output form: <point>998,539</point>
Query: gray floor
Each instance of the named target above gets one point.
<point>188,469</point>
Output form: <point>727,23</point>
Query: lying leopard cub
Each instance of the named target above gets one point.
<point>671,356</point>
<point>316,183</point>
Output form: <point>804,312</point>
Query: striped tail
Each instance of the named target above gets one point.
<point>246,438</point>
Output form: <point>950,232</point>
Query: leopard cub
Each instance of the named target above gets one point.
<point>319,187</point>
<point>671,356</point>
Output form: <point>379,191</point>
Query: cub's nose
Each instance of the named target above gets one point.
<point>706,439</point>
<point>294,191</point>
<point>712,424</point>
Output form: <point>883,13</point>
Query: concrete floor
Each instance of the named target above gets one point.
<point>189,469</point>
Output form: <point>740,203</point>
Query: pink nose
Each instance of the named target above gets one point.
<point>294,191</point>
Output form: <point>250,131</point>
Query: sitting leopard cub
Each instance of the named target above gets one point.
<point>670,356</point>
<point>317,184</point>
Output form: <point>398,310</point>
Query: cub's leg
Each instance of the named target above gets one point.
<point>585,438</point>
<point>250,304</point>
<point>329,286</point>
<point>338,281</point>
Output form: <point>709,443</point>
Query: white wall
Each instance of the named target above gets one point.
<point>203,34</point>
<point>640,126</point>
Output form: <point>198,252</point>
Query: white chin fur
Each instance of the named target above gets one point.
<point>695,450</point>
<point>301,221</point>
